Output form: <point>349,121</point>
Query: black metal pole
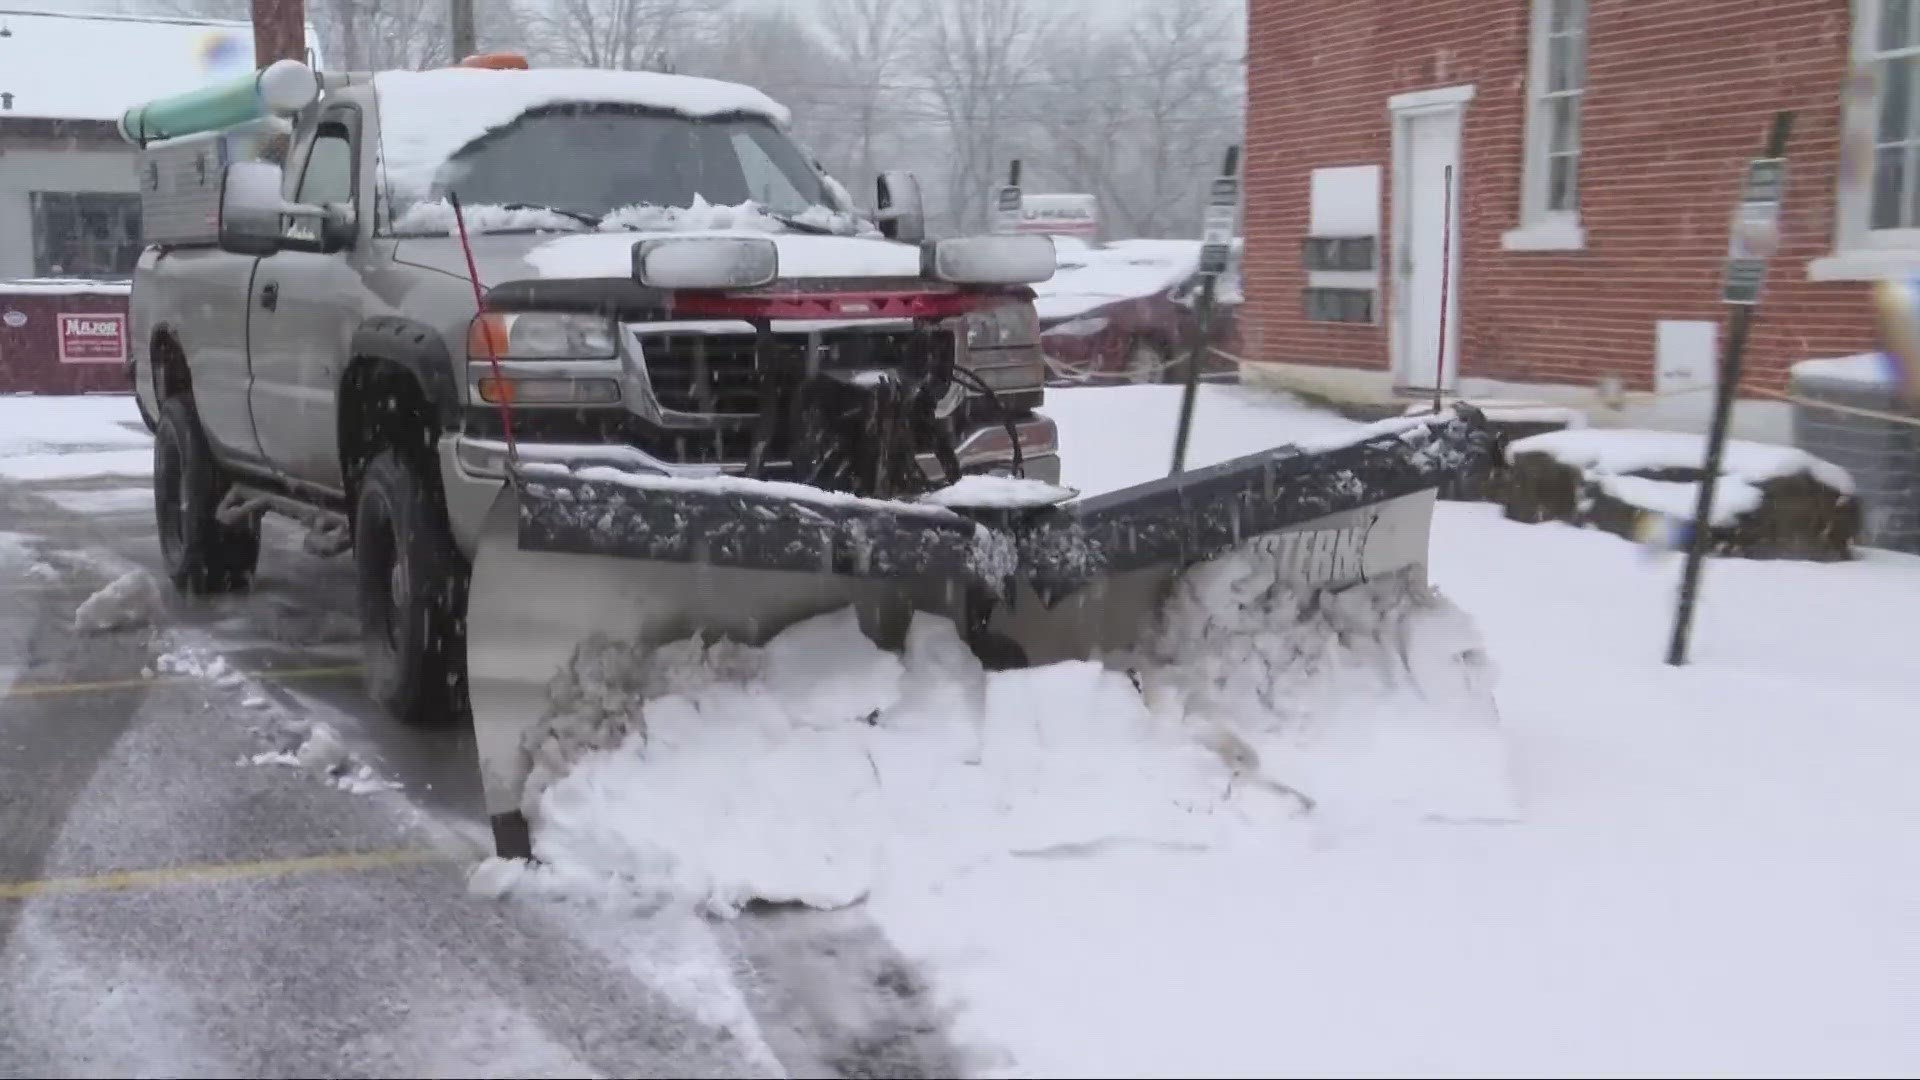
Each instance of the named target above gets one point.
<point>1446,283</point>
<point>1203,319</point>
<point>1203,316</point>
<point>1730,368</point>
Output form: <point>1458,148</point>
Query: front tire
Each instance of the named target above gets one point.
<point>151,421</point>
<point>201,555</point>
<point>412,591</point>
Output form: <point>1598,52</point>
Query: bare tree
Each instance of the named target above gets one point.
<point>775,52</point>
<point>976,54</point>
<point>377,35</point>
<point>1188,93</point>
<point>189,9</point>
<point>1083,108</point>
<point>621,34</point>
<point>1139,114</point>
<point>871,39</point>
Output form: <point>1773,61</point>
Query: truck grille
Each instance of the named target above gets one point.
<point>716,374</point>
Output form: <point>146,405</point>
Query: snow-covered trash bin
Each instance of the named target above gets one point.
<point>1882,455</point>
<point>1771,502</point>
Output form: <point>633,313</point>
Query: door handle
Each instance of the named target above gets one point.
<point>270,295</point>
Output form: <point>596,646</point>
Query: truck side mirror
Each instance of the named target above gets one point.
<point>255,220</point>
<point>251,210</point>
<point>898,207</point>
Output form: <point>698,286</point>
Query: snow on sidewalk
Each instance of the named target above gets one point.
<point>1113,436</point>
<point>1714,873</point>
<point>72,437</point>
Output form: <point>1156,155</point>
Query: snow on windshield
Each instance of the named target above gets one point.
<point>427,116</point>
<point>436,218</point>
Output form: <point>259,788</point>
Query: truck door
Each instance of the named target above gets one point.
<point>202,285</point>
<point>304,309</point>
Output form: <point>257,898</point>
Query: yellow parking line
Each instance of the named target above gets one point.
<point>191,875</point>
<point>31,690</point>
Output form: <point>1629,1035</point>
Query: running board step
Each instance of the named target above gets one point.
<point>329,532</point>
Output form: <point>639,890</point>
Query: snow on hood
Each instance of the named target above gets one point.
<point>425,116</point>
<point>1124,270</point>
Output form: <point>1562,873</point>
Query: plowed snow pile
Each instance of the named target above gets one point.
<point>820,768</point>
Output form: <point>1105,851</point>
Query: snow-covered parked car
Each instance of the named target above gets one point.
<point>1125,311</point>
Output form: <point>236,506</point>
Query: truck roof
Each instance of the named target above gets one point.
<point>425,116</point>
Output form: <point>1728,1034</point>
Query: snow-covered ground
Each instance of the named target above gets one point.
<point>68,438</point>
<point>1708,871</point>
<point>1114,436</point>
<point>1713,873</point>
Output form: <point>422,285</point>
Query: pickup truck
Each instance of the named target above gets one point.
<point>338,351</point>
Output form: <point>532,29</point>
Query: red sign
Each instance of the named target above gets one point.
<point>93,337</point>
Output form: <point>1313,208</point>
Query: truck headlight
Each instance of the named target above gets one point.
<point>540,335</point>
<point>1002,326</point>
<point>1018,369</point>
<point>1079,327</point>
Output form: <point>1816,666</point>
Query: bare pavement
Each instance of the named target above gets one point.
<point>170,907</point>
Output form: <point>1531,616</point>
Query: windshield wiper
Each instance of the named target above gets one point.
<point>797,225</point>
<point>591,221</point>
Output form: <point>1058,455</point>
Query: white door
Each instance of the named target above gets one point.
<point>1430,267</point>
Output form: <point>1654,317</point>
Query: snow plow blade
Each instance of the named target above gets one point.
<point>566,556</point>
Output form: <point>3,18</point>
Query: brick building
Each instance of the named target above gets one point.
<point>1597,149</point>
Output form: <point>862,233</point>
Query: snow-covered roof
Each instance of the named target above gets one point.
<point>96,67</point>
<point>426,116</point>
<point>64,287</point>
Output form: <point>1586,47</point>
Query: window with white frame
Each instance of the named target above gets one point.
<point>1556,84</point>
<point>1894,203</point>
<point>1878,199</point>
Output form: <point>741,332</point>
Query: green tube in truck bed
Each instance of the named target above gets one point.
<point>282,87</point>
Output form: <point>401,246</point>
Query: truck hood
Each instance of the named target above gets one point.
<point>523,257</point>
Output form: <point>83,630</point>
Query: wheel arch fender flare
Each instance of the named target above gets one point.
<point>417,349</point>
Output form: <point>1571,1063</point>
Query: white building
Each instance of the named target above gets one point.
<point>69,203</point>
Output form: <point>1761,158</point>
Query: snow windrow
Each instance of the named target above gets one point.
<point>821,768</point>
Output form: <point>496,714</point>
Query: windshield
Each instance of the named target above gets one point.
<point>590,160</point>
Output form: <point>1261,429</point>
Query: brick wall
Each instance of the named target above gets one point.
<point>1679,96</point>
